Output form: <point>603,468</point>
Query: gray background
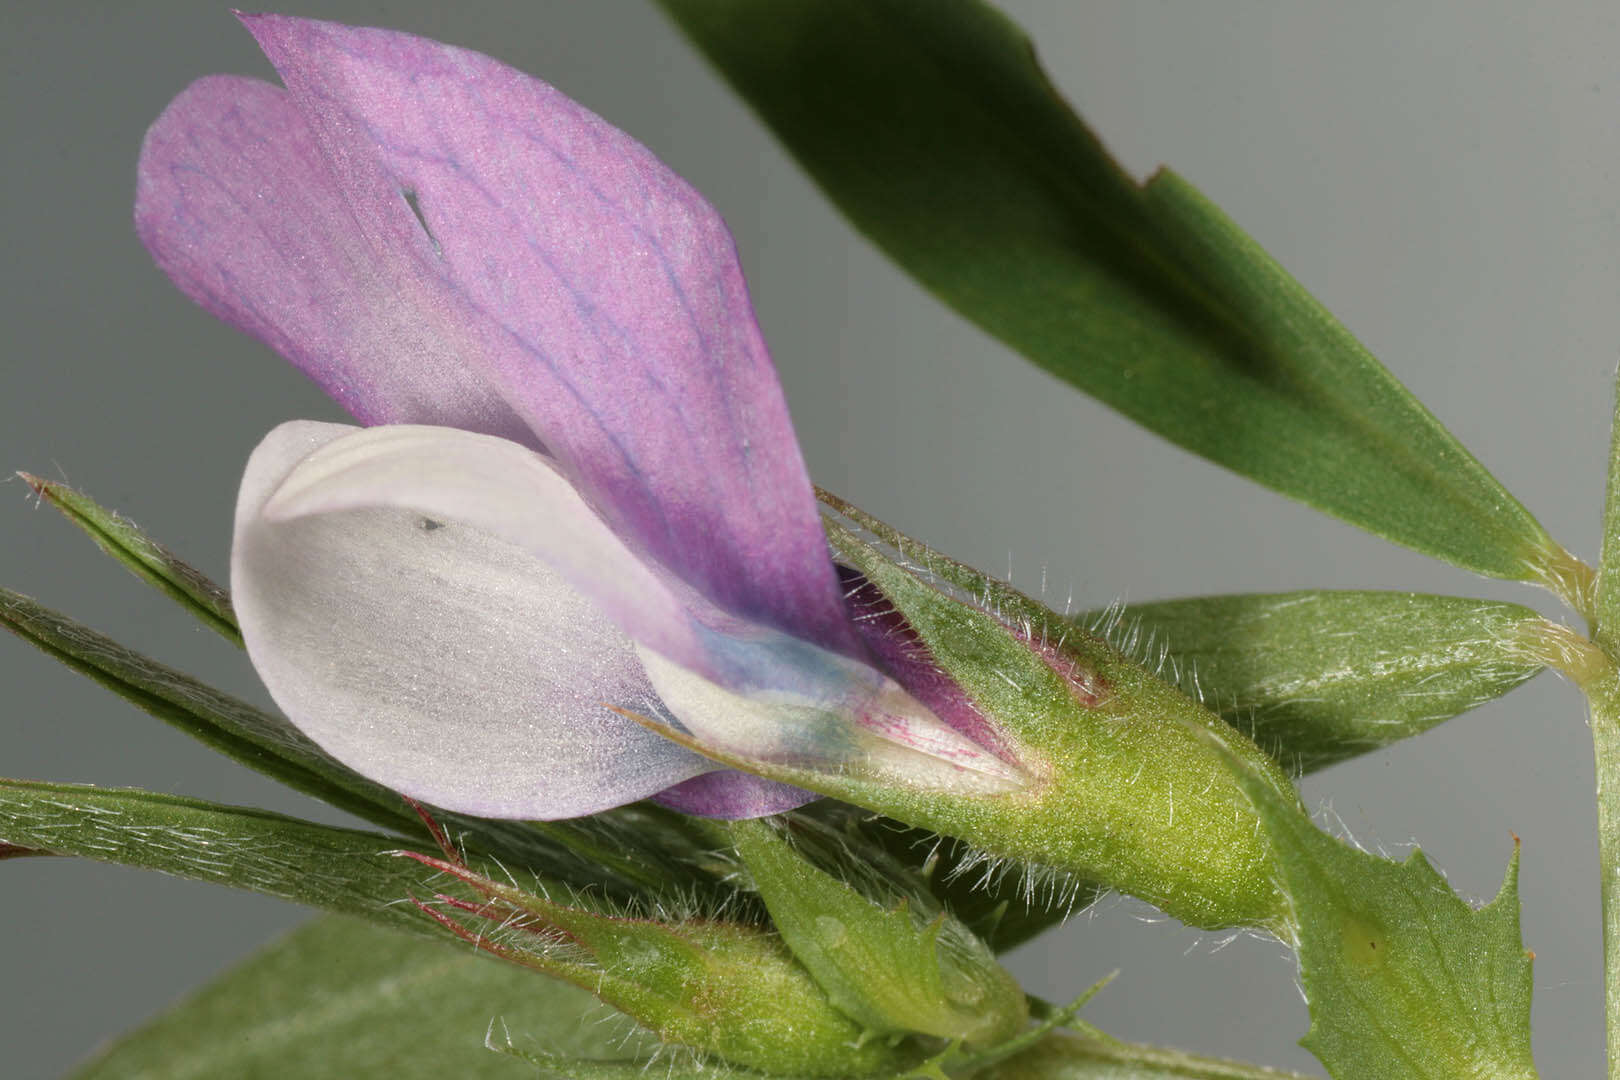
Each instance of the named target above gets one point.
<point>1442,175</point>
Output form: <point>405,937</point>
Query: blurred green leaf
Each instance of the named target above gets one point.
<point>342,1000</point>
<point>1405,980</point>
<point>1316,677</point>
<point>149,560</point>
<point>929,123</point>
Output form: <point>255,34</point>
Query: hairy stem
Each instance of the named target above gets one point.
<point>1603,695</point>
<point>1571,580</point>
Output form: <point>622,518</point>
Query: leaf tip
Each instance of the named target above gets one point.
<point>17,851</point>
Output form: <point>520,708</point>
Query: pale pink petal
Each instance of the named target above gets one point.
<point>439,659</point>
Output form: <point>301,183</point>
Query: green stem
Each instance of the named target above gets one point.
<point>1603,696</point>
<point>1569,578</point>
<point>1593,669</point>
<point>1074,1058</point>
<point>1603,693</point>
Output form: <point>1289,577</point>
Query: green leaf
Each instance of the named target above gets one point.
<point>149,560</point>
<point>623,852</point>
<point>1405,980</point>
<point>341,870</point>
<point>894,969</point>
<point>730,989</point>
<point>934,130</point>
<point>1317,677</point>
<point>342,1000</point>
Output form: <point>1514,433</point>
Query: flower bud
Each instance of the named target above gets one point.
<point>897,968</point>
<point>1127,786</point>
<point>726,989</point>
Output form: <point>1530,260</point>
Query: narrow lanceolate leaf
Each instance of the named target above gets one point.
<point>935,131</point>
<point>1316,677</point>
<point>342,1000</point>
<point>1405,980</point>
<point>149,560</point>
<point>341,870</point>
<point>236,729</point>
<point>631,849</point>
<point>729,989</point>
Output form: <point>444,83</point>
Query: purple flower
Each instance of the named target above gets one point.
<point>578,494</point>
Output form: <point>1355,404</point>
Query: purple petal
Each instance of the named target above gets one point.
<point>599,293</point>
<point>237,205</point>
<point>436,658</point>
<point>898,650</point>
<point>732,795</point>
